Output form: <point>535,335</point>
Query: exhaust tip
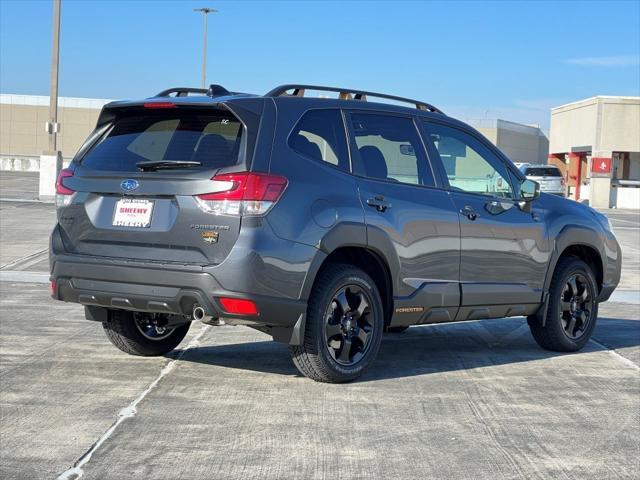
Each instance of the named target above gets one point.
<point>198,312</point>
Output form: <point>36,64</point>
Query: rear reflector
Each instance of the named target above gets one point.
<point>159,105</point>
<point>244,194</point>
<point>53,288</point>
<point>238,306</point>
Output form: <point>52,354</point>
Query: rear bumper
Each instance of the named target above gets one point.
<point>163,288</point>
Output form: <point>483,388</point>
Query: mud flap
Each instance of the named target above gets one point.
<point>541,315</point>
<point>292,335</point>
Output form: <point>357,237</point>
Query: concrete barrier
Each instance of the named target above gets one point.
<point>23,163</point>
<point>19,164</point>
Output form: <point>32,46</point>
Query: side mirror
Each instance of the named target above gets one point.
<point>529,190</point>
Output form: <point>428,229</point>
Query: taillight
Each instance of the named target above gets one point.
<point>243,194</point>
<point>63,193</point>
<point>562,182</point>
<point>238,306</point>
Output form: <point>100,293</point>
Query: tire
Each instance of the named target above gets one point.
<point>125,331</point>
<point>396,329</point>
<point>558,334</point>
<point>342,335</point>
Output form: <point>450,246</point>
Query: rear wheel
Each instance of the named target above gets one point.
<point>138,334</point>
<point>343,328</point>
<point>572,309</point>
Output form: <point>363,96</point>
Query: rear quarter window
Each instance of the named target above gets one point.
<point>320,135</point>
<point>211,138</point>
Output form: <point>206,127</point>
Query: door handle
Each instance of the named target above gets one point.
<point>378,202</point>
<point>469,212</point>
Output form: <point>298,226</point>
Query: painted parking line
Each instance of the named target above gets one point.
<point>23,276</point>
<point>625,296</point>
<point>25,200</point>
<point>25,262</point>
<point>77,470</point>
<point>632,222</point>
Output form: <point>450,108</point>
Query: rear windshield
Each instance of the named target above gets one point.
<point>543,172</point>
<point>211,138</point>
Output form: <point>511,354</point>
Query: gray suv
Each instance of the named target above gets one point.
<point>322,222</point>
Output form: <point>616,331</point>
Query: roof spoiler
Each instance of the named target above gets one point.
<point>213,91</point>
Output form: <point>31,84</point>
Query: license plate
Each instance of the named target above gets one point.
<point>133,213</point>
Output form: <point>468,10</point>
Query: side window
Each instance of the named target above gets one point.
<point>470,166</point>
<point>389,148</point>
<point>320,135</point>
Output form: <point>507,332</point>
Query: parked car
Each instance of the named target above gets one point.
<point>320,222</point>
<point>548,176</point>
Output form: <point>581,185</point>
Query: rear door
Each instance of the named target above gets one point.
<point>123,208</point>
<point>504,248</point>
<point>410,219</point>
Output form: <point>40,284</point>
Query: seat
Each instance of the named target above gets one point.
<point>212,151</point>
<point>375,166</point>
<point>303,145</point>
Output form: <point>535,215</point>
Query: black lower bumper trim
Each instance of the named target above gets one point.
<point>162,291</point>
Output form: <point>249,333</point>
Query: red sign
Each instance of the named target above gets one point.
<point>600,165</point>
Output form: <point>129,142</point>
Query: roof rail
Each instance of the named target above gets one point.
<point>347,94</point>
<point>213,91</point>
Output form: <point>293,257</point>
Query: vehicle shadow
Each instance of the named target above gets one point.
<point>424,350</point>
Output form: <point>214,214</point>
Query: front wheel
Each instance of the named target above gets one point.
<point>572,309</point>
<point>343,328</point>
<point>136,334</point>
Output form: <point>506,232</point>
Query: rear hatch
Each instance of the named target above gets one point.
<point>549,178</point>
<point>133,190</point>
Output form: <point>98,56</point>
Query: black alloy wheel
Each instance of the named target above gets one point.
<point>343,326</point>
<point>576,306</point>
<point>348,325</point>
<point>571,308</point>
<point>150,330</point>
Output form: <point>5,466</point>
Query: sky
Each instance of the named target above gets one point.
<point>505,59</point>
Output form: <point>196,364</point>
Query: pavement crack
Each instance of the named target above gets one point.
<point>129,411</point>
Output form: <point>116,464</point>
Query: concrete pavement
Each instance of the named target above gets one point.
<point>467,400</point>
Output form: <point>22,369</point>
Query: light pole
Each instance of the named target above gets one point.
<point>51,160</point>
<point>53,96</point>
<point>205,11</point>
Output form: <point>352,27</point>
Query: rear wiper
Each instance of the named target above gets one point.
<point>152,165</point>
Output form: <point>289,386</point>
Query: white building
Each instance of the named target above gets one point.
<point>596,143</point>
<point>521,143</point>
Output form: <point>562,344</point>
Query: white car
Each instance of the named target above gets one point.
<point>548,176</point>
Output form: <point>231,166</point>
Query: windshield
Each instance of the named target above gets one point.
<point>543,172</point>
<point>211,139</point>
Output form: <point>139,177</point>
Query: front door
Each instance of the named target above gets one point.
<point>410,218</point>
<point>504,248</point>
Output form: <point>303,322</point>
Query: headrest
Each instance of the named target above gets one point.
<point>303,145</point>
<point>212,150</point>
<point>374,163</point>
